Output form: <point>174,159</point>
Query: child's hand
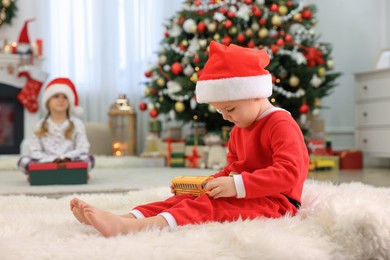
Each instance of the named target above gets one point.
<point>221,187</point>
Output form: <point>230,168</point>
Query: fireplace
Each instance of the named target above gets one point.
<point>11,120</point>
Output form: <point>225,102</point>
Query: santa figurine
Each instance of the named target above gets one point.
<point>24,44</point>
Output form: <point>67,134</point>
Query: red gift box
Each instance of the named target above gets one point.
<point>58,173</point>
<point>350,159</point>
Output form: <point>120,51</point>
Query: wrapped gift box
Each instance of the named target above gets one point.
<point>350,159</point>
<point>58,173</point>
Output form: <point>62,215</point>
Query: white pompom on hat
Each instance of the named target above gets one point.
<point>63,86</point>
<point>234,73</point>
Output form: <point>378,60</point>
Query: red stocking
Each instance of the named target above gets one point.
<point>28,97</point>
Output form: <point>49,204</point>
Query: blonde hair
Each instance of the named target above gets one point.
<point>45,127</point>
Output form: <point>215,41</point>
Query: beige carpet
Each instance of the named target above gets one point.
<point>350,221</point>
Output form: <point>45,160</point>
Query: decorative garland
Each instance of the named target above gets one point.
<point>7,11</point>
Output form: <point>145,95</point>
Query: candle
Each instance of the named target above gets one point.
<point>39,47</point>
<point>13,47</point>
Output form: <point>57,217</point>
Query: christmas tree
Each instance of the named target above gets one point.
<point>300,65</point>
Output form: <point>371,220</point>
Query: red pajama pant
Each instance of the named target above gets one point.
<point>187,209</point>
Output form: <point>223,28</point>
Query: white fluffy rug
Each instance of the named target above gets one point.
<point>349,221</point>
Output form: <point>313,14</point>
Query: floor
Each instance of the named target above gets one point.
<point>104,180</point>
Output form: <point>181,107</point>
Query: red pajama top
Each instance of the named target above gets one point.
<point>270,155</point>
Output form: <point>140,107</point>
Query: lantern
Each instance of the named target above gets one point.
<point>122,122</point>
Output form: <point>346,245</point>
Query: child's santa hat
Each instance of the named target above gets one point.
<point>63,86</point>
<point>234,73</point>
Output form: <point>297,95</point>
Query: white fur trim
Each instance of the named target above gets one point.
<point>56,89</point>
<point>237,88</point>
<point>240,188</point>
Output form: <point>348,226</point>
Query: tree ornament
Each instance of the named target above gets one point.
<point>189,26</point>
<point>196,59</point>
<point>201,27</point>
<point>241,38</point>
<point>153,113</point>
<point>330,64</point>
<point>162,59</point>
<point>226,40</point>
<point>283,10</point>
<point>148,73</point>
<point>293,81</point>
<point>316,81</point>
<point>276,20</point>
<point>317,102</point>
<point>211,27</point>
<point>176,68</point>
<point>321,72</point>
<point>274,8</point>
<point>304,108</point>
<point>315,112</point>
<point>228,24</point>
<point>233,30</point>
<point>212,109</point>
<point>248,32</point>
<point>306,14</point>
<point>179,106</point>
<point>161,82</point>
<point>263,33</point>
<point>142,106</point>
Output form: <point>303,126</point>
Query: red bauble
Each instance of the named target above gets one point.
<point>176,68</point>
<point>262,21</point>
<point>201,27</point>
<point>166,34</point>
<point>288,38</point>
<point>280,42</point>
<point>257,12</point>
<point>223,10</point>
<point>231,14</point>
<point>251,44</point>
<point>241,38</point>
<point>198,3</point>
<point>289,3</point>
<point>154,91</point>
<point>274,8</point>
<point>148,73</point>
<point>306,14</point>
<point>153,113</point>
<point>248,2</point>
<point>196,59</point>
<point>304,109</point>
<point>274,49</point>
<point>226,40</point>
<point>142,106</point>
<point>228,24</point>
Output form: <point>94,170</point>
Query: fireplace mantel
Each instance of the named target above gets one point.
<point>10,65</point>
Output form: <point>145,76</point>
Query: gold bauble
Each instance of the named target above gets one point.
<point>297,16</point>
<point>179,106</point>
<point>321,71</point>
<point>184,42</point>
<point>276,20</point>
<point>216,37</point>
<point>233,30</point>
<point>293,81</point>
<point>283,10</point>
<point>248,32</point>
<point>263,32</point>
<point>147,91</point>
<point>160,82</point>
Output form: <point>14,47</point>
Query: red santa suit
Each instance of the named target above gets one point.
<point>270,162</point>
<point>268,159</point>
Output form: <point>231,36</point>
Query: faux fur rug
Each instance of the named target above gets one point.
<point>348,221</point>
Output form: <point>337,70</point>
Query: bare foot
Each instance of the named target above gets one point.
<point>109,224</point>
<point>76,206</point>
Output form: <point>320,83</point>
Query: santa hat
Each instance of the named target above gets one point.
<point>63,86</point>
<point>23,36</point>
<point>234,73</point>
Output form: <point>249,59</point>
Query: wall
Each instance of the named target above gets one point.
<point>358,30</point>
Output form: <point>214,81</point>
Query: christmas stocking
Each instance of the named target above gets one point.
<point>28,97</point>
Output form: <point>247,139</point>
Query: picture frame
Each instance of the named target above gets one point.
<point>383,59</point>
